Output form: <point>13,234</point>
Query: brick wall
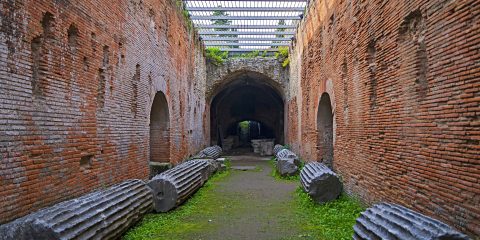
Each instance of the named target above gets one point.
<point>77,82</point>
<point>403,79</point>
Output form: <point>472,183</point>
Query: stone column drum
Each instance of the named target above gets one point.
<point>285,153</point>
<point>277,148</point>
<point>287,162</point>
<point>104,214</point>
<point>320,182</point>
<point>172,187</point>
<point>392,221</point>
<point>213,152</point>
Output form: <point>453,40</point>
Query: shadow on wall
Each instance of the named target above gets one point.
<point>159,129</point>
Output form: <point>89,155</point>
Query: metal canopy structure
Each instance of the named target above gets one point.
<point>247,25</point>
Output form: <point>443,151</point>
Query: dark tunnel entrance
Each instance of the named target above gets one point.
<point>249,107</point>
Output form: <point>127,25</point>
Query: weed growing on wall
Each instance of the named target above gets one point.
<point>216,56</point>
<point>252,54</point>
<point>282,56</point>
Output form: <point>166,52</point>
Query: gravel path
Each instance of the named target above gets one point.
<point>256,205</point>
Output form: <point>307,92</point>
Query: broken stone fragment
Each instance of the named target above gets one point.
<point>266,147</point>
<point>286,167</point>
<point>104,214</point>
<point>320,182</point>
<point>256,145</point>
<point>287,154</point>
<point>392,221</point>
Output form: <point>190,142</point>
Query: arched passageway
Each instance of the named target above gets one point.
<point>159,129</point>
<point>325,130</point>
<point>247,97</point>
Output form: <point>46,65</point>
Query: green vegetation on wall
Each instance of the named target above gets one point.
<point>215,55</point>
<point>333,220</point>
<point>282,56</point>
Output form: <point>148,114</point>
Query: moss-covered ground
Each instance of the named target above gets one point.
<point>251,205</point>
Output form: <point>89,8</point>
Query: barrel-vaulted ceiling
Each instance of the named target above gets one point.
<point>243,26</point>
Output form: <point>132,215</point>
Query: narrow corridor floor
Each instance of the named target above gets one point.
<point>259,207</point>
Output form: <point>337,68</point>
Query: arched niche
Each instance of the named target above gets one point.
<point>159,129</point>
<point>325,130</point>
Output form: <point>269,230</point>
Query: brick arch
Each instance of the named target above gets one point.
<point>270,71</point>
<point>232,77</point>
<point>160,129</point>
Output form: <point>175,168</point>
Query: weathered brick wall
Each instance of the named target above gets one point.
<point>77,81</point>
<point>403,78</point>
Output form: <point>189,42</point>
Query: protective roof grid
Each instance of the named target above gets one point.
<point>244,26</point>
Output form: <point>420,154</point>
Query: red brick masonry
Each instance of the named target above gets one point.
<point>77,81</point>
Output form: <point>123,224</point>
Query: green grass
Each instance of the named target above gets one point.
<point>332,220</point>
<point>181,222</point>
<point>282,56</point>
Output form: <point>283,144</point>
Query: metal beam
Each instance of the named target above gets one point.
<point>246,26</point>
<point>247,44</point>
<point>245,17</point>
<point>243,39</point>
<point>246,9</point>
<point>247,49</point>
<point>243,33</point>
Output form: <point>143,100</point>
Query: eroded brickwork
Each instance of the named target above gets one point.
<point>78,80</point>
<point>269,68</point>
<point>403,78</point>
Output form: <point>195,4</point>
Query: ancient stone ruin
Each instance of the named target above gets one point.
<point>391,221</point>
<point>174,186</point>
<point>107,111</point>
